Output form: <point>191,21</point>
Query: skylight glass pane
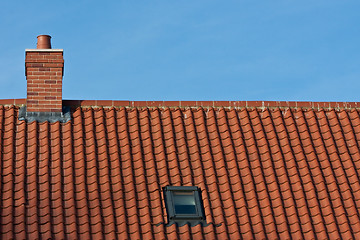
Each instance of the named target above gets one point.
<point>184,202</point>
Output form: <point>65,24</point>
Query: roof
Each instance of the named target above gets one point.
<point>269,170</point>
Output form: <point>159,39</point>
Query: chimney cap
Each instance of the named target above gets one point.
<point>43,42</point>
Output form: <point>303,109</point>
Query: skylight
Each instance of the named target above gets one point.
<point>184,204</point>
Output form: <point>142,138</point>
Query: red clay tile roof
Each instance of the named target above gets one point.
<point>266,171</point>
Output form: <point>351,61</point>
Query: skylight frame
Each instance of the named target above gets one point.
<point>172,216</point>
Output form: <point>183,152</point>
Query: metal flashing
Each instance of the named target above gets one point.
<point>52,117</point>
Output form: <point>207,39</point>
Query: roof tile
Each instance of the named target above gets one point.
<point>265,171</point>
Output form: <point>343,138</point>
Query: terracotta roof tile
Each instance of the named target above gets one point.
<point>265,172</point>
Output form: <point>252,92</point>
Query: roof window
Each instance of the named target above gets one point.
<point>184,205</point>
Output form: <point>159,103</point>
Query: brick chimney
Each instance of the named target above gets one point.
<point>44,69</point>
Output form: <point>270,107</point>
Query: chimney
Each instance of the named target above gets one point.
<point>44,69</point>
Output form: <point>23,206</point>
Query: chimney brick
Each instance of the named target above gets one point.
<point>44,69</point>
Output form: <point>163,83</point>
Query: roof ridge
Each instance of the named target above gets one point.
<point>196,104</point>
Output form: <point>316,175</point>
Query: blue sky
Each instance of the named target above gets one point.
<point>190,50</point>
